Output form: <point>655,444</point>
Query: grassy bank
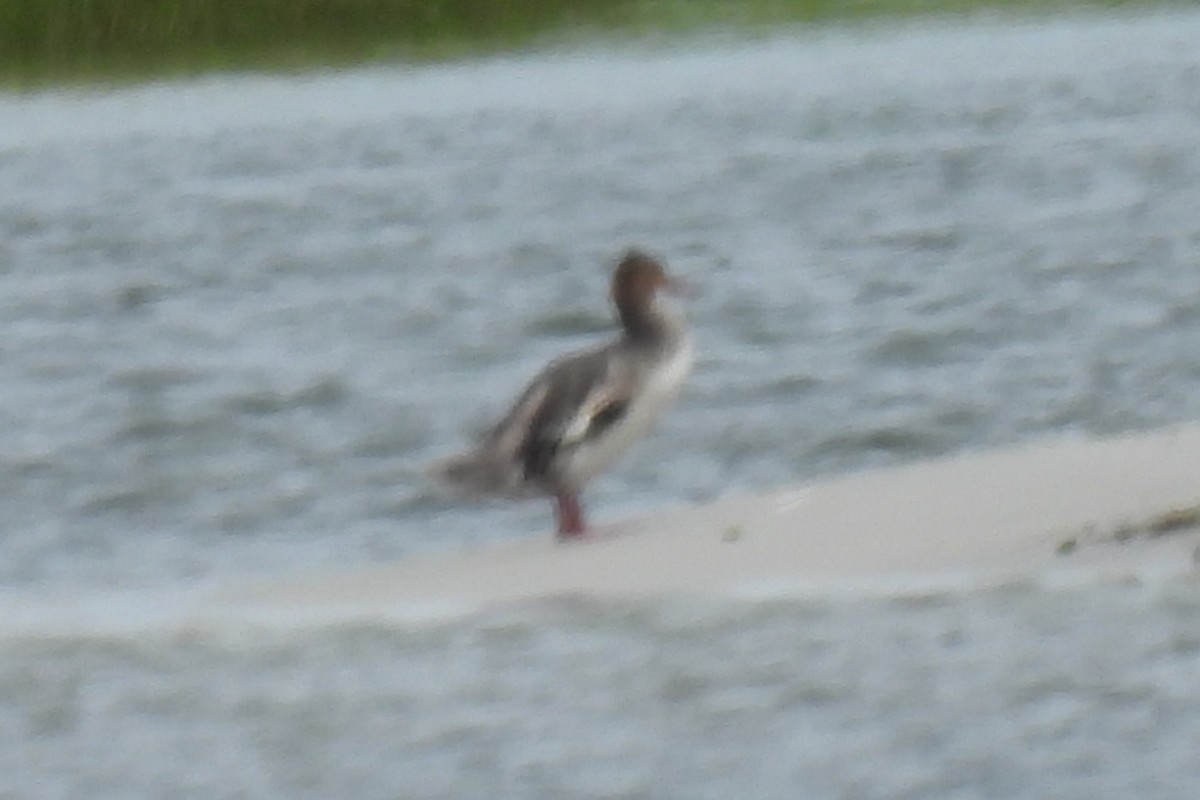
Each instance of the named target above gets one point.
<point>47,40</point>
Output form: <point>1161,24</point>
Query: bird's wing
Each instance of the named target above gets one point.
<point>573,400</point>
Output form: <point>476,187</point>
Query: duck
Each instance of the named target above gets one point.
<point>585,409</point>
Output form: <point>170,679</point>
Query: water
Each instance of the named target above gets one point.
<point>1012,692</point>
<point>241,313</point>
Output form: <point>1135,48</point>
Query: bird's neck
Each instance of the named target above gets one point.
<point>649,325</point>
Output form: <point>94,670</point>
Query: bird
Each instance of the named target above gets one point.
<point>586,408</point>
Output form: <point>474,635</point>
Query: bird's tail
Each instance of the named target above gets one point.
<point>477,472</point>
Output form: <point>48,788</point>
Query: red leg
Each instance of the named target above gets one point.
<point>569,514</point>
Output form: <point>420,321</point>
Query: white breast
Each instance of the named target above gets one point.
<point>659,391</point>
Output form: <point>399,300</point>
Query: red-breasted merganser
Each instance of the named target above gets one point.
<point>586,408</point>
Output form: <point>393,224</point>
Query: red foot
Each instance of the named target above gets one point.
<point>570,516</point>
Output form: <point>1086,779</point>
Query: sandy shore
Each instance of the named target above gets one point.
<point>1068,506</point>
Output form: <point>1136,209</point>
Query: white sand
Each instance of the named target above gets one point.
<point>991,516</point>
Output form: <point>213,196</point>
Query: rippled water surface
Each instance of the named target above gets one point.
<point>241,313</point>
<point>1016,692</point>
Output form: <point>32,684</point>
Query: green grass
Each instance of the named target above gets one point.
<point>52,40</point>
<point>108,38</point>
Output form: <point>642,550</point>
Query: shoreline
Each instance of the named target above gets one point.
<point>1061,509</point>
<point>1129,507</point>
